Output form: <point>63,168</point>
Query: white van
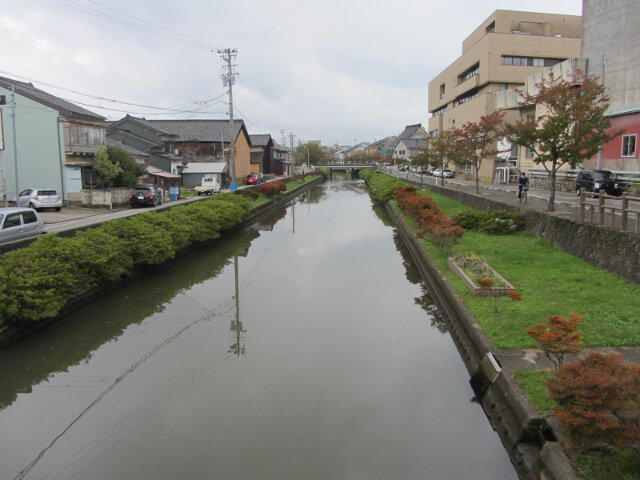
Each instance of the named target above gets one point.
<point>17,223</point>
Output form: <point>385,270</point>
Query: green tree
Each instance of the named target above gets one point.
<point>571,128</point>
<point>445,148</point>
<point>130,168</point>
<point>106,169</point>
<point>311,152</point>
<point>478,140</point>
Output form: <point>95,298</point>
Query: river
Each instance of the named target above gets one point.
<point>304,347</point>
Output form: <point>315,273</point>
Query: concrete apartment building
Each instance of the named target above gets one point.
<point>505,49</point>
<point>611,36</point>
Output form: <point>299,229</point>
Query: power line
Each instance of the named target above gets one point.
<point>174,109</point>
<point>158,31</point>
<point>108,72</point>
<point>273,26</point>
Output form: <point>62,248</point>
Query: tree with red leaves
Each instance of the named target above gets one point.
<point>598,400</point>
<point>558,336</point>
<point>571,128</point>
<point>478,139</point>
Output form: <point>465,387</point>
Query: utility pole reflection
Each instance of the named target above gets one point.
<point>237,348</point>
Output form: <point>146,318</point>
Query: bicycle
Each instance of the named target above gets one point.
<point>523,194</point>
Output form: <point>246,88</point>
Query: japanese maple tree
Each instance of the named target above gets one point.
<point>478,139</point>
<point>558,336</point>
<point>572,126</point>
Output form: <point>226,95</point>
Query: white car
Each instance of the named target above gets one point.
<point>39,198</point>
<point>446,173</point>
<point>17,223</point>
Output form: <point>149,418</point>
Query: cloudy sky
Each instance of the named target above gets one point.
<point>339,71</point>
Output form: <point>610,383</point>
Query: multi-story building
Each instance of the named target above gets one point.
<point>45,141</point>
<point>610,44</point>
<point>505,49</point>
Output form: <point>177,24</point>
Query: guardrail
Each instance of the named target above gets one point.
<point>594,211</point>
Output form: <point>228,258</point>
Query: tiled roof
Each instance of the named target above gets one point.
<point>408,131</point>
<point>66,109</point>
<point>197,130</point>
<point>260,140</point>
<point>115,143</point>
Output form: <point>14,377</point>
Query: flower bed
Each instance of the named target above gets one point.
<point>470,266</point>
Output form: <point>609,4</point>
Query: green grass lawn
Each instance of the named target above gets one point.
<point>550,281</point>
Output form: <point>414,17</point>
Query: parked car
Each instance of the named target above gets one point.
<point>145,195</point>
<point>403,168</point>
<point>17,223</point>
<point>254,179</point>
<point>444,173</point>
<point>39,198</point>
<point>594,181</point>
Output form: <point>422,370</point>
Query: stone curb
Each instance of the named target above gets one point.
<point>511,413</point>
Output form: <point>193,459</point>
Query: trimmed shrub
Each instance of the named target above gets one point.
<point>381,186</point>
<point>495,222</point>
<point>145,243</point>
<point>598,400</point>
<point>272,188</point>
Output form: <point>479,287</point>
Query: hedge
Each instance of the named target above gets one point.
<point>38,280</point>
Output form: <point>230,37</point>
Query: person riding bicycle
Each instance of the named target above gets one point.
<point>523,181</point>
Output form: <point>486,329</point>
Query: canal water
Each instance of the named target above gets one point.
<point>304,347</point>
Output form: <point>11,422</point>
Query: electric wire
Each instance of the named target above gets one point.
<point>282,19</point>
<point>175,37</point>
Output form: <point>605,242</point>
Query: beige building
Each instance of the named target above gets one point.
<point>505,49</point>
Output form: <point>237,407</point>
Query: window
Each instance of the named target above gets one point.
<point>629,145</point>
<point>29,217</point>
<point>442,90</point>
<point>464,167</point>
<point>467,97</point>
<point>469,73</point>
<point>439,111</point>
<point>85,135</point>
<point>529,61</point>
<point>12,220</point>
<point>433,133</point>
<point>528,152</point>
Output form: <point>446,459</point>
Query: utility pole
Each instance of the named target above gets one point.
<point>599,157</point>
<point>15,138</point>
<point>228,79</point>
<point>293,156</point>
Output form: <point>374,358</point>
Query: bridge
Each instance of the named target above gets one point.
<point>346,168</point>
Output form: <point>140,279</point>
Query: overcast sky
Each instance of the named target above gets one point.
<point>339,71</point>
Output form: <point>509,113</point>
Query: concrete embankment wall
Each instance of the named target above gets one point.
<point>614,251</point>
<point>513,416</point>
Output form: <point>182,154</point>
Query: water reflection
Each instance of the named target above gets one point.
<point>71,340</point>
<point>426,300</point>
<point>237,348</point>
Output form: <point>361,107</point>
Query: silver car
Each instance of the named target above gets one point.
<point>39,198</point>
<point>17,223</point>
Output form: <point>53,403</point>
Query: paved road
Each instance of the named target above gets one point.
<point>77,217</point>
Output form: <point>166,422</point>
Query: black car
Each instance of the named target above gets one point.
<point>148,196</point>
<point>595,181</point>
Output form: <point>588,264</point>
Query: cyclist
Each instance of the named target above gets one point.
<point>523,181</point>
